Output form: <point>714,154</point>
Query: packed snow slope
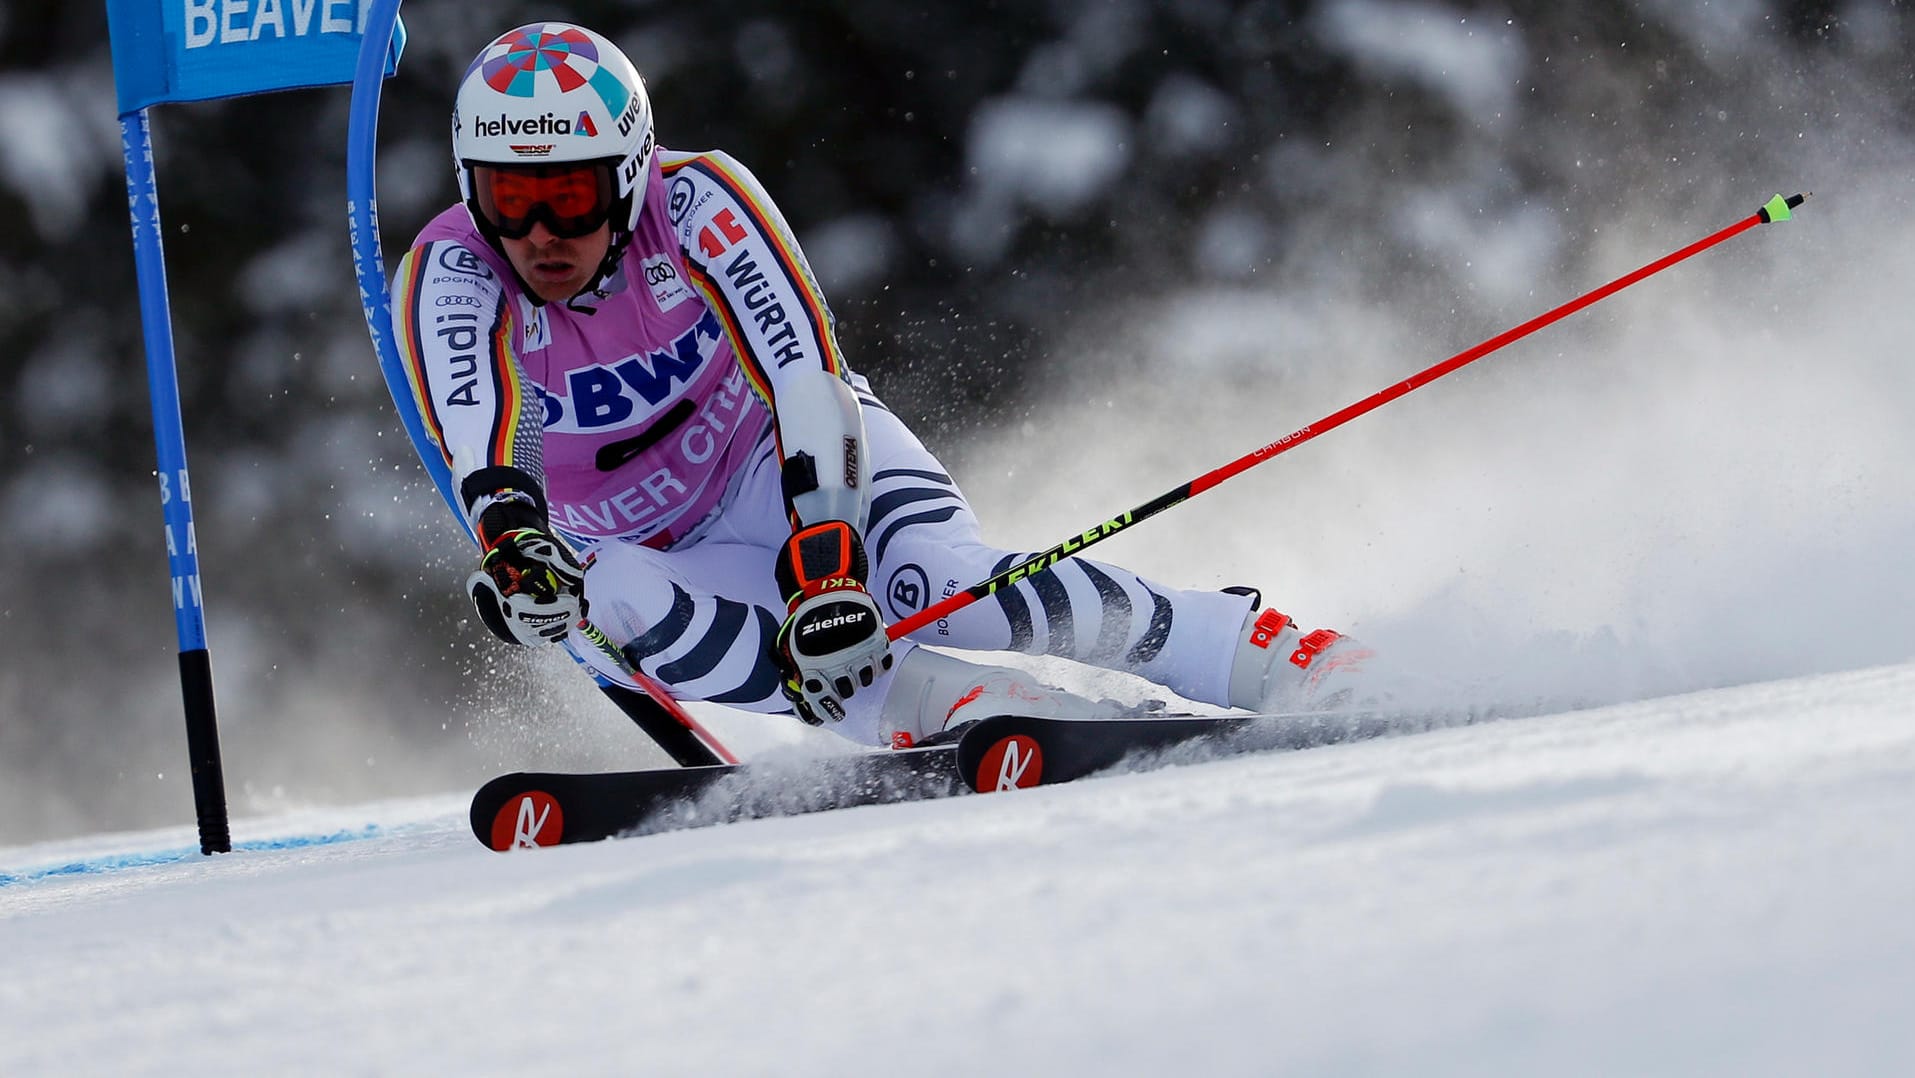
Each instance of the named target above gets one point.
<point>1714,883</point>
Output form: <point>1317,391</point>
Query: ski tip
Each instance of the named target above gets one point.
<point>1012,762</point>
<point>1778,208</point>
<point>526,820</point>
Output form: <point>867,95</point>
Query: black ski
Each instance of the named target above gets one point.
<point>1016,751</point>
<point>545,809</point>
<point>1002,752</point>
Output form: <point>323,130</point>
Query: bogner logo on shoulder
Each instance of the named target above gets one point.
<point>548,124</point>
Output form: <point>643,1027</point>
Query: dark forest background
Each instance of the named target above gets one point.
<point>975,183</point>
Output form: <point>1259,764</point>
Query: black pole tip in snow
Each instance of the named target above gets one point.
<point>202,747</point>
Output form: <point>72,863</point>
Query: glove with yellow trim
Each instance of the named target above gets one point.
<point>528,589</point>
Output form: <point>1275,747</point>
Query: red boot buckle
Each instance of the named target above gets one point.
<point>1267,627</point>
<point>1311,646</point>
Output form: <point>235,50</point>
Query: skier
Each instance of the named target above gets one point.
<point>633,377</point>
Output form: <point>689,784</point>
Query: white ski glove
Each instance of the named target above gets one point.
<point>833,643</point>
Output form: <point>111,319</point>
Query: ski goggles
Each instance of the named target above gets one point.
<point>572,198</point>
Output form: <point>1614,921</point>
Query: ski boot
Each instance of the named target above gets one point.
<point>1279,668</point>
<point>933,694</point>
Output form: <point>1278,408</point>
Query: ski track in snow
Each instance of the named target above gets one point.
<point>1717,883</point>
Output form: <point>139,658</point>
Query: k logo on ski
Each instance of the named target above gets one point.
<point>1014,763</point>
<point>530,819</point>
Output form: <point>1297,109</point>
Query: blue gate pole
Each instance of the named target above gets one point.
<point>368,263</point>
<point>176,491</point>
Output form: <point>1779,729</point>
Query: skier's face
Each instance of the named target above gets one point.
<point>557,268</point>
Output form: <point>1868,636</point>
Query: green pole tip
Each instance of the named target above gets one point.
<point>1776,209</point>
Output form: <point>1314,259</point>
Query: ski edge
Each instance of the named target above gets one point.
<point>527,809</point>
<point>1006,752</point>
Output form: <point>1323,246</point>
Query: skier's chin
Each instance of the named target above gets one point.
<point>556,268</point>
<point>554,281</point>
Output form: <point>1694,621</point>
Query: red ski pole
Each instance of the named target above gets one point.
<point>1776,209</point>
<point>657,712</point>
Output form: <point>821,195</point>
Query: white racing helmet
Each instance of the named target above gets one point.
<point>551,93</point>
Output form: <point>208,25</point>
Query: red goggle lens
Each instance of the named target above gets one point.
<point>572,199</point>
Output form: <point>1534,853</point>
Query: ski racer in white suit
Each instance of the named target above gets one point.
<point>627,364</point>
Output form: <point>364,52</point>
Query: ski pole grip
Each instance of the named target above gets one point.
<point>1777,208</point>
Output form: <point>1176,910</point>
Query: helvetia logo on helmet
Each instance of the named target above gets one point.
<point>548,124</point>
